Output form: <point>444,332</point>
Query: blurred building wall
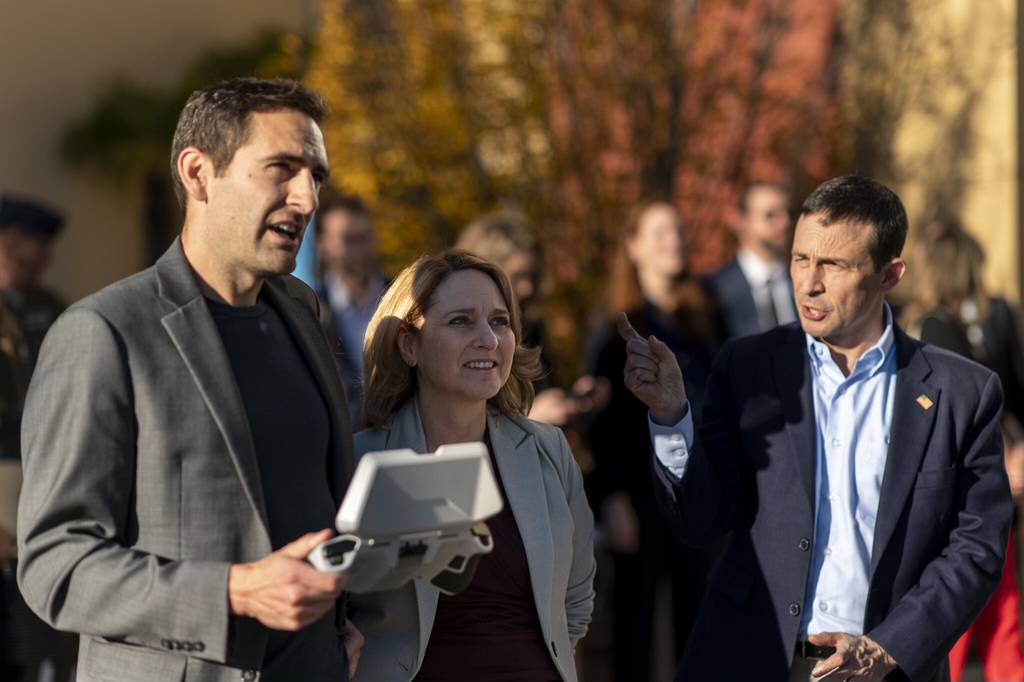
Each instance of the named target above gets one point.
<point>956,145</point>
<point>53,56</point>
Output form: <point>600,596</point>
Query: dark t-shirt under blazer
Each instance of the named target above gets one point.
<point>290,433</point>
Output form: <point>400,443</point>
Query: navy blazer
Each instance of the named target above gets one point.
<point>732,290</point>
<point>940,532</point>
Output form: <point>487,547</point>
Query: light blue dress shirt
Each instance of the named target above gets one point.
<point>853,416</point>
<point>350,318</point>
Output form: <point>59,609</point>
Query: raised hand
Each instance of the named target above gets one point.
<point>282,590</point>
<point>652,374</point>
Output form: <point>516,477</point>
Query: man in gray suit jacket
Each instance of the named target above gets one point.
<point>185,436</point>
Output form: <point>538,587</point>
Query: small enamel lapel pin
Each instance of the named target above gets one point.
<point>925,402</point>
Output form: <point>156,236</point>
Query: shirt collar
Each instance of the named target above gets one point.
<point>873,358</point>
<point>757,271</point>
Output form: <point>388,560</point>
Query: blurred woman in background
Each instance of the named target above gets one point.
<point>951,309</point>
<point>505,239</point>
<point>651,284</point>
<point>444,363</point>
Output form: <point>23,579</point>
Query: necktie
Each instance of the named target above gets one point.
<point>771,314</point>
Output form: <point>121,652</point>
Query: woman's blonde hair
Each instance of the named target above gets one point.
<point>949,270</point>
<point>498,236</point>
<point>388,382</point>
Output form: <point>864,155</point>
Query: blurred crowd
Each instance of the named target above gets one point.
<point>649,585</point>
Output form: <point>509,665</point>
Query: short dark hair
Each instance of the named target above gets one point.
<point>744,201</point>
<point>332,200</point>
<point>860,199</point>
<point>216,119</point>
<point>336,201</point>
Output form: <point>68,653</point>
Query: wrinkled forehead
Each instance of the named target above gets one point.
<point>285,131</point>
<point>816,235</point>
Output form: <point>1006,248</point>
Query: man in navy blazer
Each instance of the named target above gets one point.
<point>859,471</point>
<point>754,289</point>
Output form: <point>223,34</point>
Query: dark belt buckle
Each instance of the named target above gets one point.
<point>812,651</point>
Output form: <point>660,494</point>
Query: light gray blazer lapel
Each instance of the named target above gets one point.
<point>197,340</point>
<point>406,431</point>
<point>516,452</point>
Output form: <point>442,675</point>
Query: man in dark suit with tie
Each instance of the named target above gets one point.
<point>859,471</point>
<point>754,289</point>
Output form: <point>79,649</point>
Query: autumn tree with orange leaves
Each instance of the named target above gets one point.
<point>572,111</point>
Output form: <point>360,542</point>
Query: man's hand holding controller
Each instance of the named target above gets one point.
<point>282,590</point>
<point>285,592</point>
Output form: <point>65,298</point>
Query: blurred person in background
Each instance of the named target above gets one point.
<point>951,309</point>
<point>754,289</point>
<point>25,640</point>
<point>351,283</point>
<point>27,232</point>
<point>444,363</point>
<point>504,238</point>
<point>651,283</point>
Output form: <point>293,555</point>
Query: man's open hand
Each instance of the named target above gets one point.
<point>856,658</point>
<point>282,590</point>
<point>653,375</point>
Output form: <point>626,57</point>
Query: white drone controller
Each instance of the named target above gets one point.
<point>335,555</point>
<point>408,515</point>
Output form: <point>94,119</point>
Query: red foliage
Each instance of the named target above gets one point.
<point>689,101</point>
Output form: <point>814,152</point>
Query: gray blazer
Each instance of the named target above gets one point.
<point>545,491</point>
<point>141,481</point>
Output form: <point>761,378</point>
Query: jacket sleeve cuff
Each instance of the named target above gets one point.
<point>672,444</point>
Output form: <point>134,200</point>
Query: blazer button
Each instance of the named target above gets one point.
<point>805,544</point>
<point>794,609</point>
<point>248,675</point>
<point>166,643</point>
<point>200,646</point>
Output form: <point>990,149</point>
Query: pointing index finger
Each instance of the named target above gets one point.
<point>626,330</point>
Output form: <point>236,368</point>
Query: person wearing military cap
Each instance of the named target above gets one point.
<point>27,232</point>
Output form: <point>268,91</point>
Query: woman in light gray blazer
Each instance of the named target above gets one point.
<point>443,364</point>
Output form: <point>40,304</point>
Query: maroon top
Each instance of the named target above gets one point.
<point>490,631</point>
